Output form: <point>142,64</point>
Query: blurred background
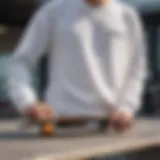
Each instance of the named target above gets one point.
<point>14,16</point>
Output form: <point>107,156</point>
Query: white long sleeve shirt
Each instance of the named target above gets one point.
<point>95,64</point>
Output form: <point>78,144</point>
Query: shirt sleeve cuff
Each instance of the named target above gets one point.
<point>128,109</point>
<point>27,101</point>
<point>24,98</point>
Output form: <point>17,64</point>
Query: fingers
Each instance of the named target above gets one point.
<point>121,121</point>
<point>39,112</point>
<point>122,125</point>
<point>113,118</point>
<point>43,114</point>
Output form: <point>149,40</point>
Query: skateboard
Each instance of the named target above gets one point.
<point>48,128</point>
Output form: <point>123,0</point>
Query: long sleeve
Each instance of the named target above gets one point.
<point>131,95</point>
<point>32,45</point>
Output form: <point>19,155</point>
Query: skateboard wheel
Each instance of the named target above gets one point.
<point>47,129</point>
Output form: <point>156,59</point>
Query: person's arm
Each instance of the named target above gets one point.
<point>131,96</point>
<point>29,51</point>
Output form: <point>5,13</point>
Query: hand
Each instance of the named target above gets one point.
<point>39,111</point>
<point>121,120</point>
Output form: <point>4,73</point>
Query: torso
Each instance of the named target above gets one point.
<point>81,34</point>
